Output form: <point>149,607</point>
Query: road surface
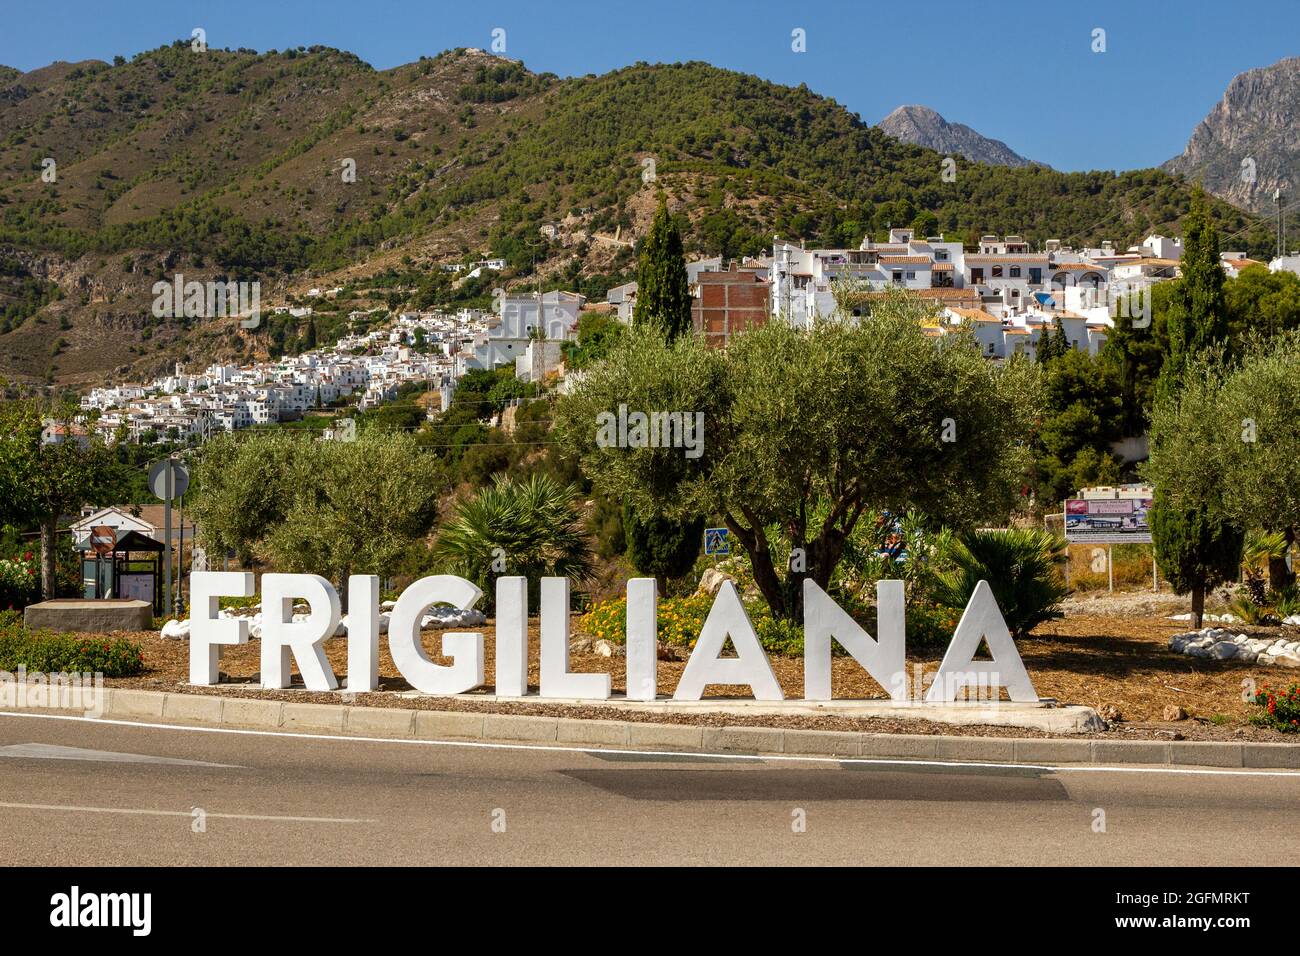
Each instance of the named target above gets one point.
<point>79,792</point>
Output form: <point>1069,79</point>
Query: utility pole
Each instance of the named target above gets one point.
<point>1281,227</point>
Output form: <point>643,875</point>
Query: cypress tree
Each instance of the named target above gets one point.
<point>1198,309</point>
<point>655,545</point>
<point>1196,549</point>
<point>663,294</point>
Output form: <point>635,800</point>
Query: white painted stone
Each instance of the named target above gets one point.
<point>556,679</point>
<point>208,631</point>
<point>882,658</point>
<point>289,637</point>
<point>466,650</point>
<point>750,666</point>
<point>982,620</point>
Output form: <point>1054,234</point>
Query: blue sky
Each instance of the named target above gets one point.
<point>1020,71</point>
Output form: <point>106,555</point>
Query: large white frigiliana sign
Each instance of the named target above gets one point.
<point>286,641</point>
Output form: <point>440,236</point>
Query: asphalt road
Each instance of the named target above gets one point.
<point>76,792</point>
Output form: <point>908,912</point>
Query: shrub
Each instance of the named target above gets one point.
<point>681,619</point>
<point>20,581</point>
<point>51,653</point>
<point>1280,708</point>
<point>1019,564</point>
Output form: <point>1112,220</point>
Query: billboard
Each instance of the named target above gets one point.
<point>1108,520</point>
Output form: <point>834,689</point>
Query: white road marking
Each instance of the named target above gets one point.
<point>768,758</point>
<point>132,811</point>
<point>57,752</point>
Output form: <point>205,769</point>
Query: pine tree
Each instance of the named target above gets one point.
<point>663,294</point>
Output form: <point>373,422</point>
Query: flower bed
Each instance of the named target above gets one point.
<point>1280,709</point>
<point>52,653</point>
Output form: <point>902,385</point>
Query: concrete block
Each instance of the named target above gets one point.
<point>438,724</point>
<point>1260,756</point>
<point>666,736</point>
<point>822,742</point>
<point>746,740</point>
<point>512,727</point>
<point>380,722</point>
<point>609,733</point>
<point>327,717</point>
<point>86,616</point>
<point>205,710</point>
<point>245,712</point>
<point>991,749</point>
<point>125,702</point>
<point>1130,751</point>
<point>1196,753</point>
<point>913,746</point>
<point>1040,751</point>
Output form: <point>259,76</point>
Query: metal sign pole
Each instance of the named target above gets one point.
<point>167,532</point>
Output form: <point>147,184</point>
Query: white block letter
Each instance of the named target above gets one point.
<point>556,679</point>
<point>512,637</point>
<point>466,649</point>
<point>883,658</point>
<point>982,619</point>
<point>285,640</point>
<point>642,639</point>
<point>727,618</point>
<point>363,632</point>
<point>207,631</point>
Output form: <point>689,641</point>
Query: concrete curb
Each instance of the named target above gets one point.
<point>384,722</point>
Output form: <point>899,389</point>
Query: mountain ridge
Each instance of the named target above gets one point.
<point>231,164</point>
<point>1247,145</point>
<point>923,126</point>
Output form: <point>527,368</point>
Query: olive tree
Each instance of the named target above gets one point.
<point>1197,542</point>
<point>1258,443</point>
<point>803,431</point>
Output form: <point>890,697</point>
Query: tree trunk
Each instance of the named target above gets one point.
<point>1198,607</point>
<point>760,559</point>
<point>1280,576</point>
<point>49,567</point>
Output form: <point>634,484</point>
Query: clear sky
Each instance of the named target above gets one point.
<point>1022,71</point>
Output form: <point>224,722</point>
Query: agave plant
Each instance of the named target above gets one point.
<point>1020,566</point>
<point>530,528</point>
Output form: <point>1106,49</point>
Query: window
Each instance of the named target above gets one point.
<point>911,275</point>
<point>898,277</point>
<point>941,255</point>
<point>997,272</point>
<point>1035,276</point>
<point>977,276</point>
<point>1015,272</point>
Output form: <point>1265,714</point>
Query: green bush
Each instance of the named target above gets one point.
<point>1280,709</point>
<point>52,653</point>
<point>681,619</point>
<point>1020,566</point>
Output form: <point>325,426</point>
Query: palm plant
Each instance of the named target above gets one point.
<point>1020,566</point>
<point>530,528</point>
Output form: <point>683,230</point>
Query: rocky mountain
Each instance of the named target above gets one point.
<point>1249,144</point>
<point>308,169</point>
<point>922,126</point>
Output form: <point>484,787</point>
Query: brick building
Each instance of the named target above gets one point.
<point>730,301</point>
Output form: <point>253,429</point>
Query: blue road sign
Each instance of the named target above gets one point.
<point>717,541</point>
